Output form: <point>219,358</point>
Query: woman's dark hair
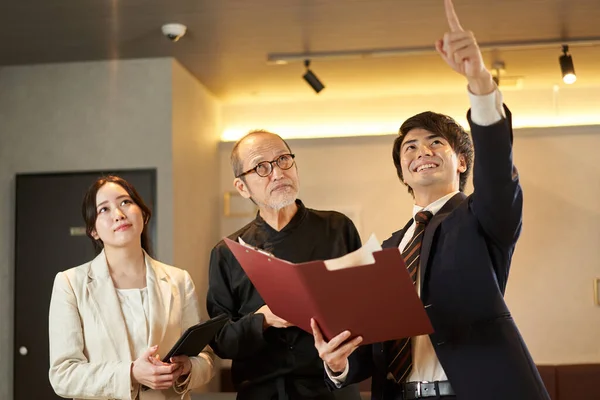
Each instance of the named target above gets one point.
<point>90,213</point>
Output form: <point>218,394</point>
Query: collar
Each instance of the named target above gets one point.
<point>294,222</point>
<point>435,206</point>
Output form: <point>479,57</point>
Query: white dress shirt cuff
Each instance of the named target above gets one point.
<point>487,109</point>
<point>338,380</point>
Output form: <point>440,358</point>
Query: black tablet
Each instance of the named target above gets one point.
<point>196,337</point>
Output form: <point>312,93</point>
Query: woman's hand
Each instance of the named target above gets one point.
<point>153,373</point>
<point>184,366</point>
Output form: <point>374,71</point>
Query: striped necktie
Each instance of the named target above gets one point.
<point>400,350</point>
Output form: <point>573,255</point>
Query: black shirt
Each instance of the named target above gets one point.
<point>277,362</point>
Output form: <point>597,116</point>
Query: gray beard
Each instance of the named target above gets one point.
<point>282,204</point>
<point>277,206</point>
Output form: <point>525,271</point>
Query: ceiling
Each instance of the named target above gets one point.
<point>228,41</point>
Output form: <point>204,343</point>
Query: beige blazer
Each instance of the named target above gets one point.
<point>90,355</point>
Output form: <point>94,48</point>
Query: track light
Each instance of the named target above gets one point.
<point>359,54</point>
<point>566,66</point>
<point>312,79</point>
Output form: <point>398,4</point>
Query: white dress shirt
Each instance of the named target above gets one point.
<point>485,110</point>
<point>426,366</point>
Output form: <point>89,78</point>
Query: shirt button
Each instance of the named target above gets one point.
<point>291,347</point>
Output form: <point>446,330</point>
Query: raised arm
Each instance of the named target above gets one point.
<point>497,201</point>
<point>459,49</point>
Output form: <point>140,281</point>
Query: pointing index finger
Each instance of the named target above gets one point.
<point>453,21</point>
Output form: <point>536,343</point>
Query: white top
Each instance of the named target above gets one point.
<point>134,305</point>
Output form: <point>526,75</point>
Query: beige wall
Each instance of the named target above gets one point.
<point>550,288</point>
<point>196,118</point>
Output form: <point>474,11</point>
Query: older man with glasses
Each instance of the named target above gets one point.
<point>271,359</point>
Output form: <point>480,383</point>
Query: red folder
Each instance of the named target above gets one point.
<point>376,301</point>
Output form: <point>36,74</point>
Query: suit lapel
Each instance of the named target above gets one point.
<point>430,233</point>
<point>396,238</point>
<point>160,297</point>
<point>104,298</point>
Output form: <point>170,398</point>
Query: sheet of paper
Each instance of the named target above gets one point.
<point>362,256</point>
<point>241,241</point>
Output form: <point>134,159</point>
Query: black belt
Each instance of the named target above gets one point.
<point>418,390</point>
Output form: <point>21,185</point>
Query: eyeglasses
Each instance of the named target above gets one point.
<point>265,168</point>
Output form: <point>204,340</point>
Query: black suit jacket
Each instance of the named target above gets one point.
<point>465,261</point>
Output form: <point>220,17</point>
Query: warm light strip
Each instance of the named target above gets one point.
<point>385,128</point>
<point>317,131</point>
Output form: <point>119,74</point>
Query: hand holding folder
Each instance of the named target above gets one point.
<point>366,292</point>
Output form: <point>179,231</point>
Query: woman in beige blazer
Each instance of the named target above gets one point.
<point>111,318</point>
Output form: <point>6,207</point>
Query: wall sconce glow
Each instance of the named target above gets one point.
<point>544,121</point>
<point>378,128</point>
<point>318,130</point>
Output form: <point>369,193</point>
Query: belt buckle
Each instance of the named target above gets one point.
<point>419,391</point>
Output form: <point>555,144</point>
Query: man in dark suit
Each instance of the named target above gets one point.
<point>458,249</point>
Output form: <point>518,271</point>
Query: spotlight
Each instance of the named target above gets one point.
<point>566,66</point>
<point>312,79</point>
